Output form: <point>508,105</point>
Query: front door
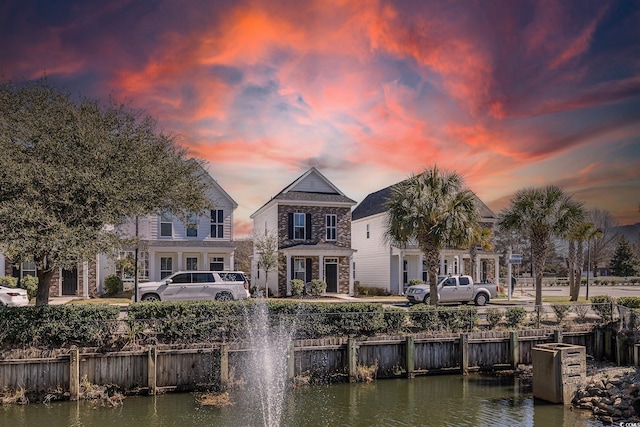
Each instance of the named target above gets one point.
<point>69,281</point>
<point>331,274</point>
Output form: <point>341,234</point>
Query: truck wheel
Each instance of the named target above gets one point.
<point>150,298</point>
<point>481,299</point>
<point>426,299</point>
<point>224,296</point>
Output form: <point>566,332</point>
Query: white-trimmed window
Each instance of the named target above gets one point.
<point>166,225</point>
<point>143,265</point>
<point>299,225</point>
<point>299,269</point>
<point>192,263</point>
<point>28,269</point>
<point>425,271</point>
<point>332,229</point>
<point>216,263</point>
<point>217,224</point>
<point>192,226</point>
<point>166,266</point>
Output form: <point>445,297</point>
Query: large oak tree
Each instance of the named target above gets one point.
<point>73,170</point>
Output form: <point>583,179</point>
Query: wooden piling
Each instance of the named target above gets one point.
<point>352,357</point>
<point>464,354</point>
<point>410,354</point>
<point>74,374</point>
<point>152,363</point>
<point>224,366</point>
<point>514,346</point>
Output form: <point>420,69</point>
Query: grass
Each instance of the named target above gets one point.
<point>101,301</point>
<point>564,300</point>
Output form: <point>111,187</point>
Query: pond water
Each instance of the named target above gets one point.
<point>445,400</point>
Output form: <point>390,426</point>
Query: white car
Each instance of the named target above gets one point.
<point>196,285</point>
<point>13,297</point>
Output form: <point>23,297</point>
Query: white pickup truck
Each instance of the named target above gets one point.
<point>454,289</point>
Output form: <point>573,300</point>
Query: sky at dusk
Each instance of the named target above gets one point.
<point>510,94</point>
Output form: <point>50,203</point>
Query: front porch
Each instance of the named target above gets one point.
<point>332,264</point>
<point>409,263</point>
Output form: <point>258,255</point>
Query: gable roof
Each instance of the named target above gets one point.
<point>311,186</point>
<point>375,203</point>
<point>213,183</point>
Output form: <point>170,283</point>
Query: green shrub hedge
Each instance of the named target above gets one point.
<point>58,325</point>
<point>452,319</point>
<point>629,302</point>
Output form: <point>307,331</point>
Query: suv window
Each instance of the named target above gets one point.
<point>181,278</point>
<point>202,278</point>
<point>464,280</point>
<point>232,277</point>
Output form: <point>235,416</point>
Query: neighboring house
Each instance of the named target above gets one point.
<point>312,220</point>
<point>80,281</point>
<point>168,245</point>
<point>379,263</point>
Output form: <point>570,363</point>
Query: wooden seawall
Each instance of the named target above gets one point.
<point>215,366</point>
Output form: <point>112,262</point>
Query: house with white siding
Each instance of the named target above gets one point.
<point>380,263</point>
<point>311,218</point>
<point>168,244</point>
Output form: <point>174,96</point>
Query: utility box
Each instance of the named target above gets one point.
<point>558,370</point>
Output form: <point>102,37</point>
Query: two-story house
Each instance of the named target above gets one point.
<point>311,218</point>
<point>380,263</point>
<point>168,244</point>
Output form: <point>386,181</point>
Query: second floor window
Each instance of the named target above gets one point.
<point>331,227</point>
<point>166,225</point>
<point>192,227</point>
<point>217,224</point>
<point>299,225</point>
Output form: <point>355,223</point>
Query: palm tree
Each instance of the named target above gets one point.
<point>540,214</point>
<point>579,234</point>
<point>434,210</point>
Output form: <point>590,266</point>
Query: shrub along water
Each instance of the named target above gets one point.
<point>58,325</point>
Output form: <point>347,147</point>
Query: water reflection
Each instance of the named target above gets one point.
<point>452,400</point>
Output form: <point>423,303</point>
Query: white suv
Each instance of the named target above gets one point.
<point>196,285</point>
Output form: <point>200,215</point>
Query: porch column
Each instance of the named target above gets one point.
<point>478,270</point>
<point>2,264</point>
<point>85,279</point>
<point>232,261</point>
<point>443,272</point>
<point>152,266</point>
<point>351,290</point>
<point>496,266</point>
<point>461,265</point>
<point>288,276</point>
<point>401,273</point>
<point>205,261</point>
<point>179,261</point>
<point>420,266</point>
<point>321,267</point>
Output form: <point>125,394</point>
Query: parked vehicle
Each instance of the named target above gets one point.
<point>454,289</point>
<point>13,297</point>
<point>196,285</point>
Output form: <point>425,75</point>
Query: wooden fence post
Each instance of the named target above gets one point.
<point>598,343</point>
<point>557,336</point>
<point>224,366</point>
<point>514,346</point>
<point>152,362</point>
<point>410,353</point>
<point>74,374</point>
<point>621,349</point>
<point>292,362</point>
<point>464,354</point>
<point>352,359</point>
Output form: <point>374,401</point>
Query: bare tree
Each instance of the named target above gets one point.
<point>602,247</point>
<point>266,250</point>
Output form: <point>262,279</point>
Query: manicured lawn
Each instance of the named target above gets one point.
<point>564,300</point>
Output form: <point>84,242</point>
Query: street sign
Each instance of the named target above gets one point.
<point>515,259</point>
